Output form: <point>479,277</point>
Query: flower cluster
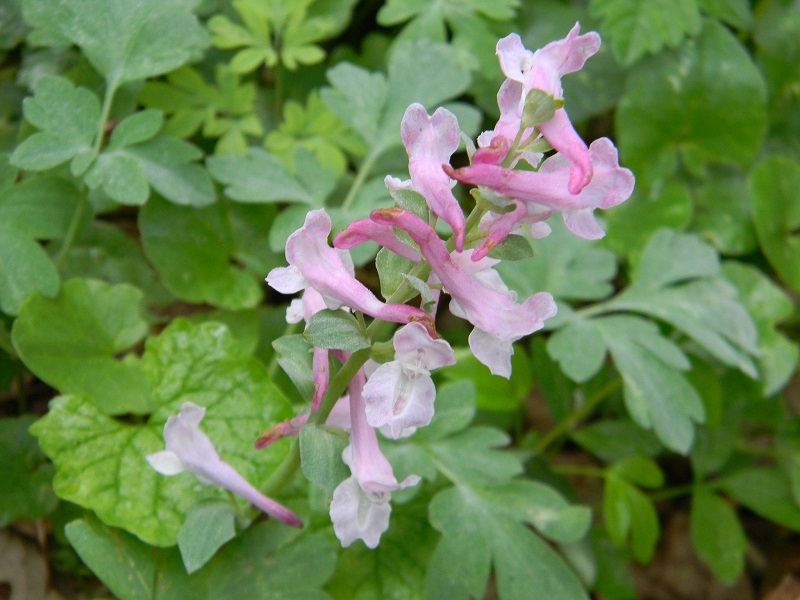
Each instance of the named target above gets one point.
<point>518,189</point>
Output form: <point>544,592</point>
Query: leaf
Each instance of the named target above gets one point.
<point>656,393</point>
<point>207,527</point>
<point>336,330</point>
<point>721,109</point>
<point>71,341</point>
<point>768,304</point>
<point>723,214</point>
<point>100,462</point>
<point>137,128</point>
<point>563,264</point>
<point>25,269</point>
<point>614,440</point>
<point>126,41</point>
<point>514,247</point>
<point>479,530</point>
<point>391,268</point>
<point>579,349</point>
<point>26,489</point>
<point>639,470</point>
<point>766,492</point>
<point>257,177</point>
<point>472,457</point>
<point>200,268</point>
<point>321,457</point>
<point>294,356</point>
<point>717,535</point>
<point>121,177</point>
<point>639,28</point>
<point>68,118</point>
<point>772,182</point>
<point>630,515</point>
<point>733,12</point>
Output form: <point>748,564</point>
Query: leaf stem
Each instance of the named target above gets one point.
<point>582,412</point>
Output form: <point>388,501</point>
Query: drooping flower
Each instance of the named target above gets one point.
<point>365,230</point>
<point>430,142</point>
<point>360,506</point>
<point>543,70</point>
<point>313,263</point>
<point>189,449</point>
<point>478,294</point>
<point>338,418</point>
<point>547,187</point>
<point>400,393</point>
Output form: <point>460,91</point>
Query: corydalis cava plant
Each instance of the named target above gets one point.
<point>398,396</point>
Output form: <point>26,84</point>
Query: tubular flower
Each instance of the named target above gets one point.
<point>360,506</point>
<point>312,263</point>
<point>478,294</point>
<point>547,188</point>
<point>400,393</point>
<point>430,142</point>
<point>189,449</point>
<point>543,70</point>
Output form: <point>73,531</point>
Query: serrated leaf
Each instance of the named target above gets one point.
<point>721,109</point>
<point>525,566</point>
<point>26,489</point>
<point>71,342</point>
<point>717,535</point>
<point>257,177</point>
<point>336,330</point>
<point>100,462</point>
<point>200,268</point>
<point>772,183</point>
<point>68,119</point>
<point>208,526</point>
<point>639,28</point>
<point>25,268</point>
<point>126,41</point>
<point>321,457</point>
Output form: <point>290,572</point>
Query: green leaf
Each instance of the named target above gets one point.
<point>733,12</point>
<point>721,110</point>
<point>294,356</point>
<point>200,267</point>
<point>473,456</point>
<point>656,393</point>
<point>579,350</point>
<point>137,128</point>
<point>639,470</point>
<point>357,98</point>
<point>717,535</point>
<point>773,181</point>
<point>768,304</point>
<point>126,41</point>
<point>67,117</point>
<point>563,264</point>
<point>723,214</point>
<point>766,492</point>
<point>671,258</point>
<point>207,527</point>
<point>121,177</point>
<point>257,177</point>
<point>639,28</point>
<point>630,515</point>
<point>336,330</point>
<point>391,268</point>
<point>26,489</point>
<point>321,457</point>
<point>479,530</point>
<point>614,440</point>
<point>25,268</point>
<point>514,247</point>
<point>71,342</point>
<point>101,462</point>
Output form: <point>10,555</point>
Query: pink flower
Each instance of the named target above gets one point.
<point>478,294</point>
<point>543,70</point>
<point>312,263</point>
<point>360,506</point>
<point>366,230</point>
<point>547,188</point>
<point>400,393</point>
<point>189,449</point>
<point>430,142</point>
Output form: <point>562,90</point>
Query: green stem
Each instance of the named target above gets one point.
<point>586,409</point>
<point>364,169</point>
<point>579,470</point>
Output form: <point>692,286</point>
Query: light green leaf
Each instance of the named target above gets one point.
<point>357,97</point>
<point>639,28</point>
<point>39,207</point>
<point>26,489</point>
<point>208,526</point>
<point>125,41</point>
<point>68,119</point>
<point>294,356</point>
<point>136,128</point>
<point>101,462</point>
<point>321,456</point>
<point>712,88</point>
<point>197,268</point>
<point>734,12</point>
<point>717,535</point>
<point>579,349</point>
<point>71,342</point>
<point>25,268</point>
<point>391,268</point>
<point>336,330</point>
<point>773,185</point>
<point>121,177</point>
<point>478,531</point>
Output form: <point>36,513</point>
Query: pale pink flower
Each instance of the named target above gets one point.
<point>478,294</point>
<point>365,230</point>
<point>189,449</point>
<point>400,394</point>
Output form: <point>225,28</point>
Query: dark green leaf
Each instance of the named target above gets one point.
<point>25,269</point>
<point>514,247</point>
<point>630,516</point>
<point>616,440</point>
<point>717,535</point>
<point>766,492</point>
<point>294,356</point>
